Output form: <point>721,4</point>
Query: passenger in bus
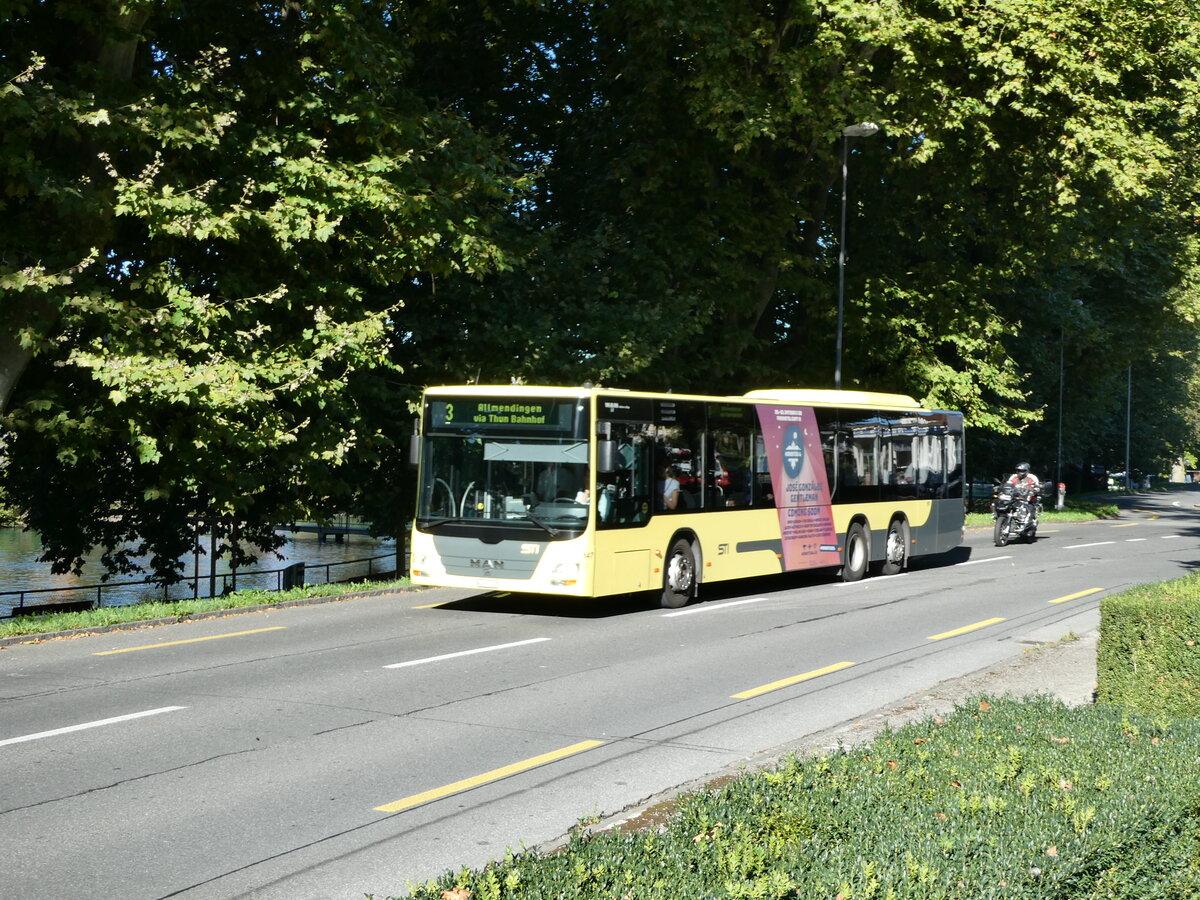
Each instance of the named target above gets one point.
<point>848,470</point>
<point>739,492</point>
<point>668,487</point>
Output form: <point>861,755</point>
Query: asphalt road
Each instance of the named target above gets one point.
<point>351,748</point>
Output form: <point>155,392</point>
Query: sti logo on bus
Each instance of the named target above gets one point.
<point>793,452</point>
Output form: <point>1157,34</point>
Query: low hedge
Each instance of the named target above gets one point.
<point>1001,799</point>
<point>1148,656</point>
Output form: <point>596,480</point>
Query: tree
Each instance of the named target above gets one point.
<point>217,213</point>
<point>690,174</point>
<point>237,239</point>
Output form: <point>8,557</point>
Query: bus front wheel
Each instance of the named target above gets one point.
<point>856,554</point>
<point>679,575</point>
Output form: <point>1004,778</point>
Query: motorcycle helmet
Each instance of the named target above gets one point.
<point>1023,468</point>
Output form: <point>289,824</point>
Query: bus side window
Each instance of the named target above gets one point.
<point>828,425</point>
<point>763,490</point>
<point>858,468</point>
<point>954,458</point>
<point>679,455</point>
<point>729,476</point>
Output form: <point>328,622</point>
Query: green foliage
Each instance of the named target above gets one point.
<point>236,239</point>
<point>685,213</point>
<point>1148,658</point>
<point>1001,799</point>
<point>10,515</point>
<point>215,215</point>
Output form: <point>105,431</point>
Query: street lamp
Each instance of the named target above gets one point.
<point>862,129</point>
<point>1128,417</point>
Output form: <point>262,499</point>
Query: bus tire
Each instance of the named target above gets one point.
<point>679,575</point>
<point>895,551</point>
<point>856,553</point>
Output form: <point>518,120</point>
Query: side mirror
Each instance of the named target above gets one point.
<point>414,446</point>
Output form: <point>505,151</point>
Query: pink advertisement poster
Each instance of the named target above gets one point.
<point>793,445</point>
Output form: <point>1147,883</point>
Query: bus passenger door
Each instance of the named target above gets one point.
<point>625,498</point>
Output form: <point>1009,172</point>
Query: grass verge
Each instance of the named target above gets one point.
<point>1001,799</point>
<point>1082,510</point>
<point>22,626</point>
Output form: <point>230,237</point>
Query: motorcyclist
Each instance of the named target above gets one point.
<point>1025,480</point>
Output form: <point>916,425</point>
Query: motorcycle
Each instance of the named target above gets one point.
<point>1015,513</point>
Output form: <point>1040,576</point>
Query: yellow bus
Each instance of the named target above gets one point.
<point>592,491</point>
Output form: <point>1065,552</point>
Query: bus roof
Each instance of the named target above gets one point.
<point>835,398</point>
<point>812,396</point>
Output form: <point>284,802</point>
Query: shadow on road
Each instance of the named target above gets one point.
<point>520,604</point>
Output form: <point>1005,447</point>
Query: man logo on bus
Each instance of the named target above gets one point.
<point>793,452</point>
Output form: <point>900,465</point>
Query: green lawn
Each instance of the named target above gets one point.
<point>1082,510</point>
<point>180,609</point>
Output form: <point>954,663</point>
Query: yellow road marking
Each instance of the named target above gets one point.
<point>788,682</point>
<point>494,775</point>
<point>431,605</point>
<point>211,637</point>
<point>1126,525</point>
<point>945,634</point>
<point>1076,596</point>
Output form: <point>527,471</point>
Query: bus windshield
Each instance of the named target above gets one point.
<point>522,464</point>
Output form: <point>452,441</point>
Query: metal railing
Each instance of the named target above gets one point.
<point>344,524</point>
<point>80,595</point>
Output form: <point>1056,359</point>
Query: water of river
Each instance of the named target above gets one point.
<point>356,556</point>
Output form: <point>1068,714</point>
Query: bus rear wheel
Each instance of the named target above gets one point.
<point>856,553</point>
<point>895,550</point>
<point>679,575</point>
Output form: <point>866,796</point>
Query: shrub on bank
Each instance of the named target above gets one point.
<point>1001,799</point>
<point>1148,656</point>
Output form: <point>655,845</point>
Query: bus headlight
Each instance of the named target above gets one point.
<point>565,574</point>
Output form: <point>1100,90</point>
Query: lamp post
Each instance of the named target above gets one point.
<point>1062,337</point>
<point>862,129</point>
<point>1128,419</point>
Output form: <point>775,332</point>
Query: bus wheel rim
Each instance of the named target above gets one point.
<point>679,574</point>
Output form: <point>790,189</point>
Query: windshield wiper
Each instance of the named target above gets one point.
<point>550,530</point>
<point>432,523</point>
